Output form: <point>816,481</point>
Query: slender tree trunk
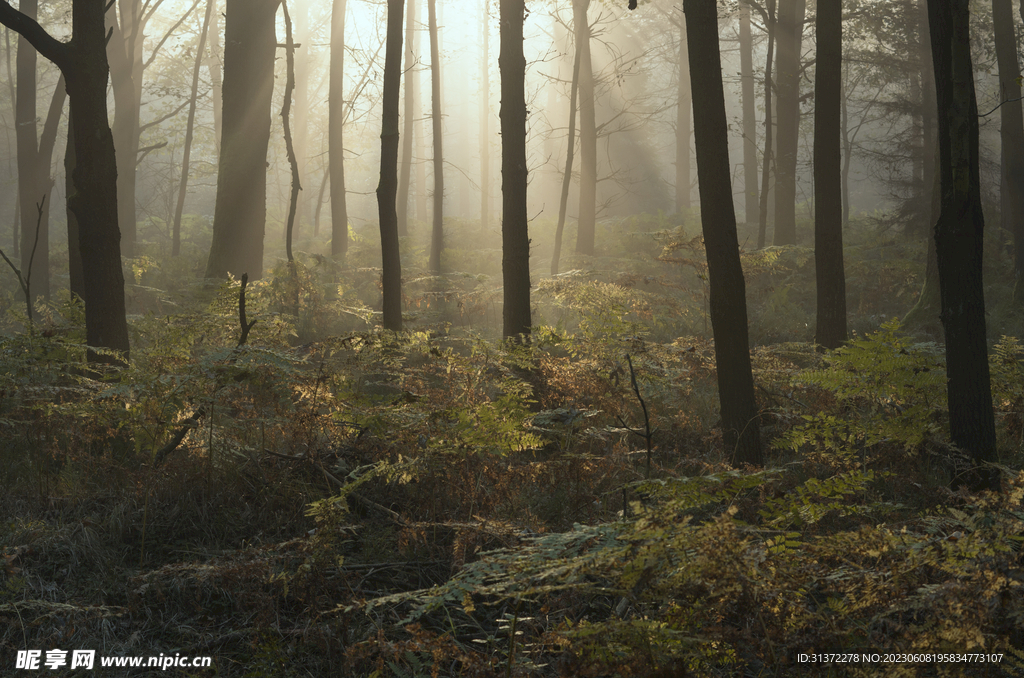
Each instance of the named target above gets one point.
<point>387,189</point>
<point>293,160</point>
<point>767,160</point>
<point>750,202</point>
<point>740,427</point>
<point>587,219</point>
<point>420,138</point>
<point>336,143</point>
<point>959,246</point>
<point>683,128</point>
<point>12,93</point>
<point>485,119</point>
<point>847,155</point>
<point>189,131</point>
<point>124,52</point>
<point>240,215</point>
<point>77,280</point>
<point>563,201</point>
<point>408,122</point>
<point>828,206</point>
<point>437,232</point>
<point>1012,137</point>
<point>515,231</point>
<point>216,76</point>
<point>300,109</point>
<point>790,29</point>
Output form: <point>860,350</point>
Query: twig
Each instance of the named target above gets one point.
<point>26,282</point>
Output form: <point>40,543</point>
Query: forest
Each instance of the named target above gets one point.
<point>502,338</point>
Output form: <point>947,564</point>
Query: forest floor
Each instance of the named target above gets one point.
<point>347,501</point>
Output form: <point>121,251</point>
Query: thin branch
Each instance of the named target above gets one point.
<point>174,28</point>
<point>147,150</point>
<point>154,123</point>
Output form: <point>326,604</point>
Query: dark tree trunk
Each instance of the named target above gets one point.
<point>767,160</point>
<point>83,61</point>
<point>216,75</point>
<point>336,131</point>
<point>77,279</point>
<point>587,218</point>
<point>828,198</point>
<point>1011,124</point>
<point>387,189</point>
<point>750,203</point>
<point>515,232</point>
<point>790,30</point>
<point>240,215</point>
<point>958,246</point>
<point>740,427</point>
<point>437,231</point>
<point>189,130</point>
<point>408,122</point>
<point>684,106</point>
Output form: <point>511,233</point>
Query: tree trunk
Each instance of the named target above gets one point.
<point>790,29</point>
<point>387,189</point>
<point>240,215</point>
<point>959,246</point>
<point>124,51</point>
<point>750,201</point>
<point>684,104</point>
<point>828,197</point>
<point>408,122</point>
<point>767,159</point>
<point>189,130</point>
<point>300,104</point>
<point>336,143</point>
<point>216,76</point>
<point>740,427</point>
<point>587,218</point>
<point>563,201</point>
<point>485,119</point>
<point>77,279</point>
<point>12,92</point>
<point>515,232</point>
<point>1011,124</point>
<point>83,61</point>
<point>437,231</point>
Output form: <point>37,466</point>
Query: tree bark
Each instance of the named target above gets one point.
<point>336,132</point>
<point>83,61</point>
<point>437,231</point>
<point>587,218</point>
<point>77,278</point>
<point>740,427</point>
<point>515,233</point>
<point>767,161</point>
<point>408,122</point>
<point>959,246</point>
<point>387,189</point>
<point>828,198</point>
<point>750,198</point>
<point>216,76</point>
<point>240,215</point>
<point>790,30</point>
<point>189,132</point>
<point>684,108</point>
<point>300,110</point>
<point>1011,123</point>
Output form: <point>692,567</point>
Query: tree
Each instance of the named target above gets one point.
<point>563,201</point>
<point>750,214</point>
<point>485,118</point>
<point>684,105</point>
<point>767,160</point>
<point>336,134</point>
<point>408,122</point>
<point>1011,129</point>
<point>83,61</point>
<point>189,130</point>
<point>958,245</point>
<point>34,156</point>
<point>128,20</point>
<point>587,218</point>
<point>240,214</point>
<point>515,229</point>
<point>790,38</point>
<point>828,203</point>
<point>437,231</point>
<point>387,189</point>
<point>740,428</point>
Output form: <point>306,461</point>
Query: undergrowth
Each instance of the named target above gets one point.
<point>342,500</point>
